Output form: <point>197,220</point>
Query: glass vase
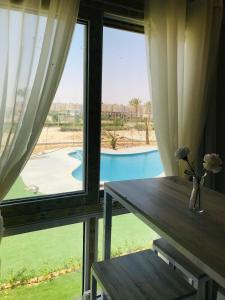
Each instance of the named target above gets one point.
<point>195,202</point>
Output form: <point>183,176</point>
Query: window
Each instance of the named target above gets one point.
<point>128,142</point>
<point>59,150</point>
<point>68,205</point>
<point>72,134</point>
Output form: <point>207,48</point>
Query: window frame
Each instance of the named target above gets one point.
<point>42,212</point>
<point>48,211</point>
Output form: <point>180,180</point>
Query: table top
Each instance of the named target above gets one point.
<point>162,203</point>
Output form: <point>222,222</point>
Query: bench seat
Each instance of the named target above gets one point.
<point>142,275</point>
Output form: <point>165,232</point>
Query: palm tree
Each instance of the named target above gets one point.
<point>146,131</point>
<point>135,102</point>
<point>148,106</point>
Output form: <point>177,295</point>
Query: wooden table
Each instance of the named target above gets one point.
<point>162,203</point>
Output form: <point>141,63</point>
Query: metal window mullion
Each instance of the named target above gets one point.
<point>90,251</point>
<point>93,138</point>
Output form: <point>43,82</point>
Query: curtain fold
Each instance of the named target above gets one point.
<point>182,41</point>
<point>34,43</point>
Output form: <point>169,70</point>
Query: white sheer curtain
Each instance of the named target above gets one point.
<point>35,37</point>
<point>182,40</point>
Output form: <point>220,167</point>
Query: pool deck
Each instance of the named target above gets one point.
<point>52,171</point>
<point>132,150</point>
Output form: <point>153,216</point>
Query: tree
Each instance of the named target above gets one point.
<point>146,131</point>
<point>135,103</point>
<point>55,116</point>
<point>148,106</point>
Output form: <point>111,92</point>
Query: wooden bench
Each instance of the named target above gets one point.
<point>200,281</point>
<point>139,276</point>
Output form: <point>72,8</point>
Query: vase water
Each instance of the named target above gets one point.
<point>195,202</point>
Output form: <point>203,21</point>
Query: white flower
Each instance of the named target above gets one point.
<point>182,153</point>
<point>212,162</point>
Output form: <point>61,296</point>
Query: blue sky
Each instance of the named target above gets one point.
<point>124,68</point>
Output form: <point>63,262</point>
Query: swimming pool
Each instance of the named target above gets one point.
<point>124,166</point>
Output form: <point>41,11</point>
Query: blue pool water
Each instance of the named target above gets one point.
<point>124,166</point>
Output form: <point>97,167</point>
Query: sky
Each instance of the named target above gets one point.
<point>124,68</point>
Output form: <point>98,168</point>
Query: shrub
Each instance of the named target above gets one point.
<point>140,127</point>
<point>113,139</point>
<point>112,127</point>
<point>118,122</point>
<point>71,128</point>
<point>23,275</point>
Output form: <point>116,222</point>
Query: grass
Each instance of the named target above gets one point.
<point>38,253</point>
<point>128,233</point>
<point>43,251</point>
<point>19,190</point>
<point>51,249</point>
<point>66,287</point>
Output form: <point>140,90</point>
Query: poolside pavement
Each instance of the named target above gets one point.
<point>131,150</point>
<point>51,171</point>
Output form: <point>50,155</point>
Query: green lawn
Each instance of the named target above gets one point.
<point>37,253</point>
<point>128,233</point>
<point>65,287</point>
<point>19,190</point>
<point>42,251</point>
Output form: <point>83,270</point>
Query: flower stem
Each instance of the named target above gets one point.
<point>192,169</point>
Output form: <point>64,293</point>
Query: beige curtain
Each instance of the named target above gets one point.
<point>182,41</point>
<point>35,37</point>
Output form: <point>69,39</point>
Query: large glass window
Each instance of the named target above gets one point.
<point>50,169</point>
<point>50,260</point>
<point>128,142</point>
